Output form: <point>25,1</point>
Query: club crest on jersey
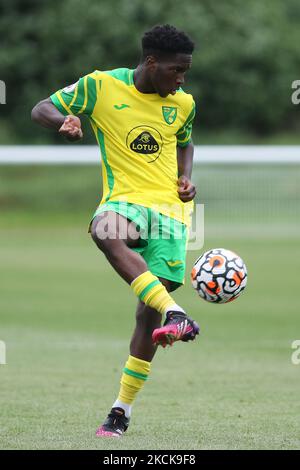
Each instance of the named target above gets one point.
<point>169,114</point>
<point>146,141</point>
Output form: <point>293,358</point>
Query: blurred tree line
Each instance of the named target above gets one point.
<point>247,55</point>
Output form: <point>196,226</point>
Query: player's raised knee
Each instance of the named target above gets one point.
<point>102,231</point>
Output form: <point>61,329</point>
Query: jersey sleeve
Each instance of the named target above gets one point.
<point>184,134</point>
<point>79,98</point>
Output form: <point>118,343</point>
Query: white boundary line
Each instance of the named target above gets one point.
<point>90,154</point>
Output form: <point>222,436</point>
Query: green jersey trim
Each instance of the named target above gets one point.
<point>55,100</point>
<point>81,100</point>
<point>77,100</point>
<point>185,132</point>
<point>124,75</point>
<point>110,176</point>
<point>91,96</point>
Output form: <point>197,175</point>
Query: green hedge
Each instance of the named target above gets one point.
<point>246,58</point>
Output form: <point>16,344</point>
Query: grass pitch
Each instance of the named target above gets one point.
<point>66,319</point>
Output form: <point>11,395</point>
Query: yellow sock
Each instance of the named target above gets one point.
<point>151,291</point>
<point>135,373</point>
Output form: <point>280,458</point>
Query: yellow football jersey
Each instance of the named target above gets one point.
<point>137,134</point>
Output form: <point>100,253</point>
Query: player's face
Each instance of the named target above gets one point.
<point>167,74</point>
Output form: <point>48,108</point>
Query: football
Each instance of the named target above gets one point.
<point>219,275</point>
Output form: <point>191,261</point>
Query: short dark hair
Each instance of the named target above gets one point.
<point>166,39</point>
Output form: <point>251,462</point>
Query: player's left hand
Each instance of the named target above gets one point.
<point>186,189</point>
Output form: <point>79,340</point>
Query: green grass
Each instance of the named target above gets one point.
<point>227,190</point>
<point>66,318</point>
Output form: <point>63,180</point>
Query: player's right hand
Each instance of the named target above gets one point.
<point>71,128</point>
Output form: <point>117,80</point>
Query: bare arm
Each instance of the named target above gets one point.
<point>47,115</point>
<point>186,188</point>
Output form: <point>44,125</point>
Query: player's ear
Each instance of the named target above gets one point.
<point>150,59</point>
<point>151,62</point>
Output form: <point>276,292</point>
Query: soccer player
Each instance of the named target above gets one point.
<point>142,121</point>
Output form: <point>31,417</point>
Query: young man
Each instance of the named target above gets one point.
<point>142,120</point>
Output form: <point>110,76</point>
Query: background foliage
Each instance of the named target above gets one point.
<point>246,58</point>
